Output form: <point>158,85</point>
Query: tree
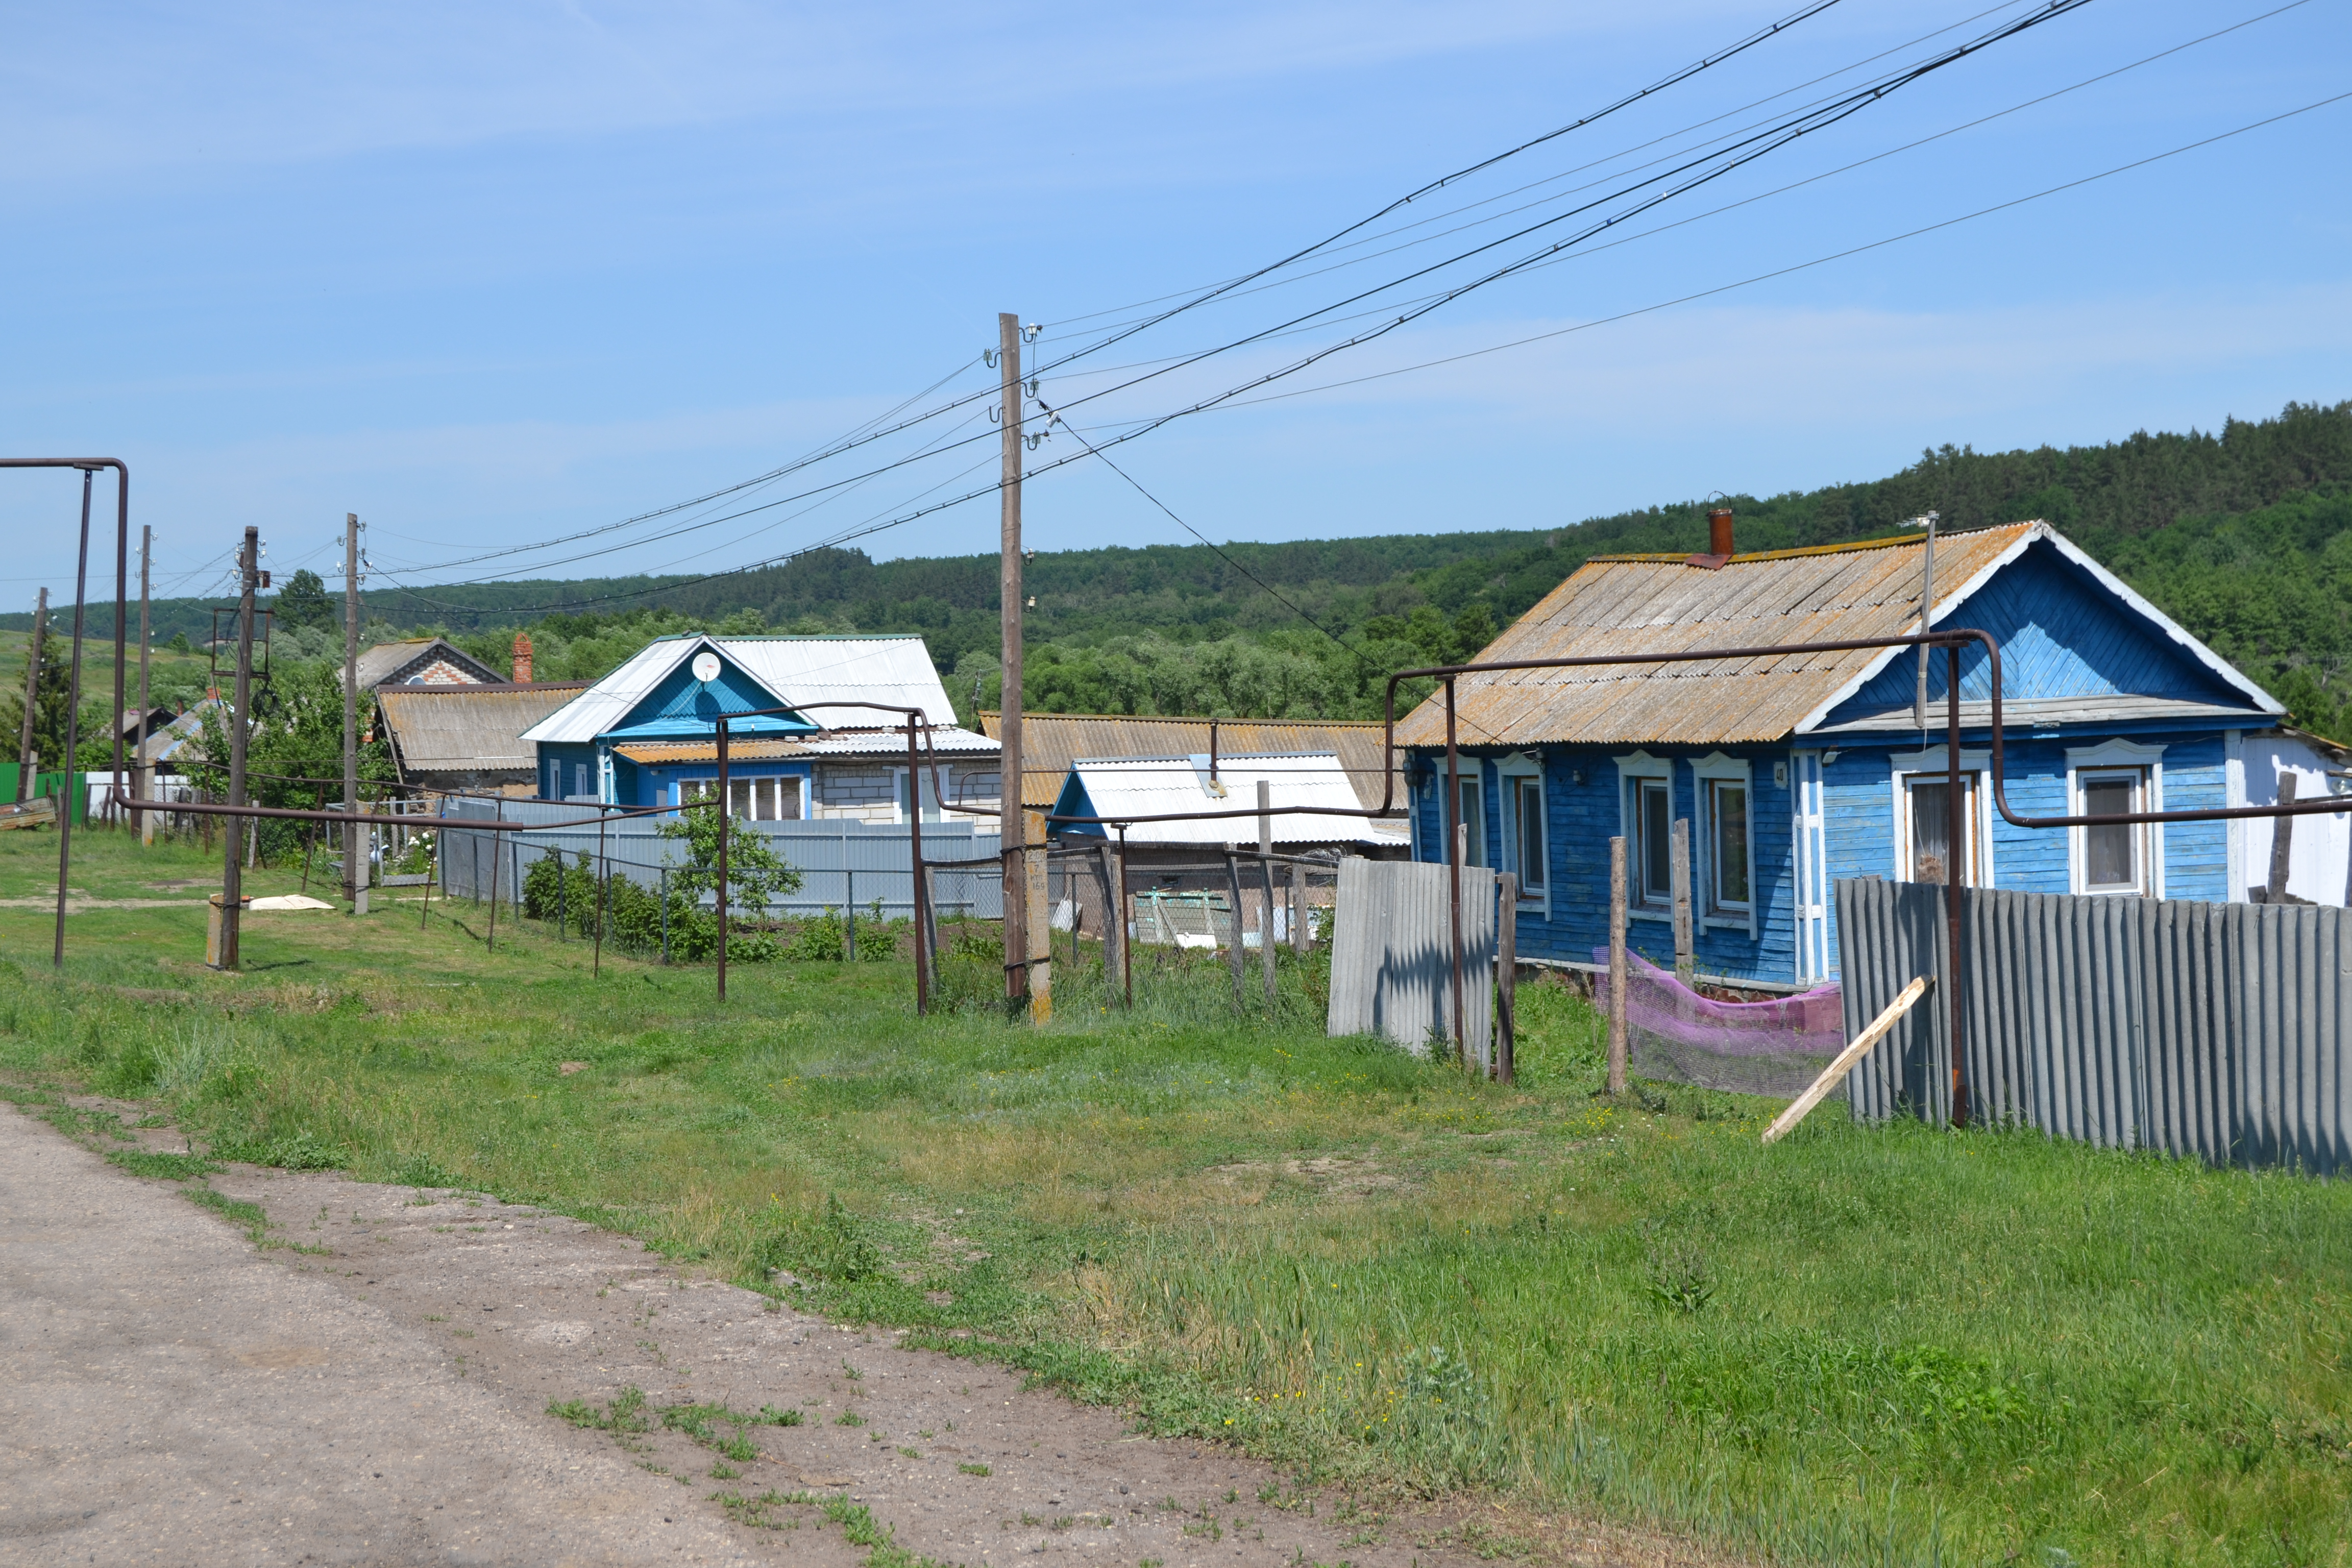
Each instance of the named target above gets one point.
<point>303,602</point>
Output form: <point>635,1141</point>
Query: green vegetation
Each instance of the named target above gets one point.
<point>1894,1343</point>
<point>2240,535</point>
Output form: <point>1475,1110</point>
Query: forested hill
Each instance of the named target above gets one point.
<point>2245,536</point>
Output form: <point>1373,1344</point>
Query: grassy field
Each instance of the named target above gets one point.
<point>1893,1344</point>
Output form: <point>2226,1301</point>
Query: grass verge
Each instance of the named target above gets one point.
<point>1890,1342</point>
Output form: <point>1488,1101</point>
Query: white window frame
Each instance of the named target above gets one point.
<point>687,790</point>
<point>898,797</point>
<point>1469,775</point>
<point>1929,766</point>
<point>1633,770</point>
<point>1514,773</point>
<point>2114,756</point>
<point>1711,769</point>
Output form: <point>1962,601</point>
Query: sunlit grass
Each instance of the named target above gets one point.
<point>1892,1343</point>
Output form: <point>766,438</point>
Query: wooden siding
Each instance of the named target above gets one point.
<point>2061,635</point>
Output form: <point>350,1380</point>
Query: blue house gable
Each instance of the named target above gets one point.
<point>680,707</point>
<point>1785,774</point>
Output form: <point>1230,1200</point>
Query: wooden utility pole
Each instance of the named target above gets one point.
<point>1265,875</point>
<point>249,572</point>
<point>32,697</point>
<point>139,756</point>
<point>355,882</point>
<point>1619,970</point>
<point>1013,817</point>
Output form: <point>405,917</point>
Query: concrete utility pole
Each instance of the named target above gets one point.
<point>139,756</point>
<point>355,885</point>
<point>248,571</point>
<point>1013,820</point>
<point>32,697</point>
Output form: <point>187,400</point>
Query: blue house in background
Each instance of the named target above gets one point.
<point>1795,772</point>
<point>646,735</point>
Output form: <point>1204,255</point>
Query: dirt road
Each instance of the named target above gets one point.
<point>372,1382</point>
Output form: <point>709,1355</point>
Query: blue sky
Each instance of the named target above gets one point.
<point>489,274</point>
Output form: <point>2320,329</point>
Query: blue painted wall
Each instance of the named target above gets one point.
<point>556,765</point>
<point>2062,634</point>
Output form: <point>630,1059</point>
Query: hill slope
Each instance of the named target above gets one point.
<point>2245,536</point>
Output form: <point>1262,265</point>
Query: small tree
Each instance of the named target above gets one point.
<point>303,602</point>
<point>755,875</point>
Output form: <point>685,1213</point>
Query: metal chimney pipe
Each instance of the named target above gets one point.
<point>1718,531</point>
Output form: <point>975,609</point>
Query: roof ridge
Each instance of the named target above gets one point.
<point>1682,557</point>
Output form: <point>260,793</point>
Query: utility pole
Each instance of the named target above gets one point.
<point>248,571</point>
<point>1927,610</point>
<point>139,756</point>
<point>1013,820</point>
<point>351,872</point>
<point>32,697</point>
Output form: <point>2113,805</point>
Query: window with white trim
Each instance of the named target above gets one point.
<point>931,795</point>
<point>2114,854</point>
<point>2115,778</point>
<point>1928,829</point>
<point>1526,847</point>
<point>1726,871</point>
<point>751,799</point>
<point>1473,813</point>
<point>1646,815</point>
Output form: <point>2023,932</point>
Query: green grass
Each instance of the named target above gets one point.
<point>1894,1344</point>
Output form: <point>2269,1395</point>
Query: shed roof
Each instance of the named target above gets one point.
<point>798,670</point>
<point>1050,742</point>
<point>469,729</point>
<point>386,661</point>
<point>1150,787</point>
<point>1646,604</point>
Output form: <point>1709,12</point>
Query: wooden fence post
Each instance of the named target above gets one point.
<point>1507,974</point>
<point>1234,893</point>
<point>1678,844</point>
<point>1266,874</point>
<point>1617,966</point>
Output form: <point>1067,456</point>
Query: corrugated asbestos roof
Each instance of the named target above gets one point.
<point>867,743</point>
<point>469,729</point>
<point>897,670</point>
<point>1050,742</point>
<point>1148,786</point>
<point>1648,604</point>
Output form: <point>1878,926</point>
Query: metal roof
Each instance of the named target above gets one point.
<point>889,743</point>
<point>469,729</point>
<point>1050,742</point>
<point>1146,786</point>
<point>1644,604</point>
<point>896,670</point>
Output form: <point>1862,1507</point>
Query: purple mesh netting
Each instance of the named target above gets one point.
<point>1775,1047</point>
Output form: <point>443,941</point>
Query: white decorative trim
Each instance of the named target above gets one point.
<point>1976,772</point>
<point>2115,754</point>
<point>1952,601</point>
<point>1632,768</point>
<point>1718,767</point>
<point>1525,765</point>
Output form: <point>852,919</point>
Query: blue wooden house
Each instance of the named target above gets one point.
<point>1795,772</point>
<point>646,735</point>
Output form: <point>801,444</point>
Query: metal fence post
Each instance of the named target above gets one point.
<point>665,914</point>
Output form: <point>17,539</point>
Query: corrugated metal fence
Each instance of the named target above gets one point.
<point>2217,1030</point>
<point>843,862</point>
<point>1392,954</point>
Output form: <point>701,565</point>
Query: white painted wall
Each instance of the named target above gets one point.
<point>2321,860</point>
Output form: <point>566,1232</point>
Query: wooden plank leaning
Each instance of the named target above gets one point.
<point>1834,1074</point>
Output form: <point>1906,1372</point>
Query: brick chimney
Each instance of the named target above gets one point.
<point>522,659</point>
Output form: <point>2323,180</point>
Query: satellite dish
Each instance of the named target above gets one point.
<point>706,667</point>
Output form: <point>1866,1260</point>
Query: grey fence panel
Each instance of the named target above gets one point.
<point>2296,995</point>
<point>1909,1072</point>
<point>2192,1089</point>
<point>842,862</point>
<point>2219,1031</point>
<point>1392,954</point>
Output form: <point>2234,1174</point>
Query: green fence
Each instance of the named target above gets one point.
<point>47,784</point>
